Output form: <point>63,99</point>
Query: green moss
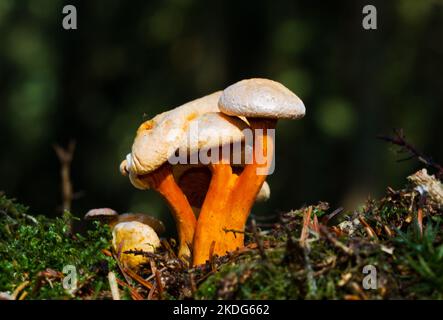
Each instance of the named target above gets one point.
<point>408,264</point>
<point>328,265</point>
<point>31,245</point>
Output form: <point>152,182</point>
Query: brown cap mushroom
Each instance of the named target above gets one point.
<point>102,214</point>
<point>262,102</point>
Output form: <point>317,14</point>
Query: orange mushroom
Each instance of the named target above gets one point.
<point>148,167</point>
<point>231,196</point>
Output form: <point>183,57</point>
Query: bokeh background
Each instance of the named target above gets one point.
<point>129,60</point>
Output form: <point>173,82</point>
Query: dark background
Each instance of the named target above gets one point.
<point>130,60</point>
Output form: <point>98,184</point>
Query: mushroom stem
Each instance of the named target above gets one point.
<point>163,182</point>
<point>250,180</point>
<point>212,219</point>
<point>230,198</point>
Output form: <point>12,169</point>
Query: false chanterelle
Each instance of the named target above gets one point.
<point>209,159</point>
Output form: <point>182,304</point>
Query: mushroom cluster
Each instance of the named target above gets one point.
<point>209,159</point>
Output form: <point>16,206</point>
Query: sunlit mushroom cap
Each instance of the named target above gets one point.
<point>159,138</point>
<point>261,98</point>
<point>102,214</point>
<point>133,235</point>
<point>264,194</point>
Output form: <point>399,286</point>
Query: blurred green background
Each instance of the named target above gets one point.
<point>130,60</point>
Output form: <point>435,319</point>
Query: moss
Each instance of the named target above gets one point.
<point>36,249</point>
<point>383,233</point>
<point>408,264</point>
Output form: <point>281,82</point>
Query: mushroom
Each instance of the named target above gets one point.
<point>231,196</point>
<point>130,231</point>
<point>210,138</point>
<point>155,143</point>
<point>133,235</point>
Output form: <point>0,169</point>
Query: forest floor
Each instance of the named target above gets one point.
<point>389,248</point>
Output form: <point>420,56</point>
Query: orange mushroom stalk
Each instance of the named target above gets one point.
<point>228,203</point>
<point>230,196</point>
<point>163,182</point>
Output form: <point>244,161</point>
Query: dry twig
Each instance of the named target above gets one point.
<point>65,157</point>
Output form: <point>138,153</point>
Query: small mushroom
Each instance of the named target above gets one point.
<point>148,168</point>
<point>130,231</point>
<point>133,235</point>
<point>104,215</point>
<point>262,102</point>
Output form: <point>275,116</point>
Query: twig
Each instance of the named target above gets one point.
<point>193,285</point>
<point>158,280</point>
<point>65,157</point>
<point>18,289</point>
<point>315,226</point>
<point>23,295</point>
<point>152,276</point>
<point>113,285</point>
<point>324,230</point>
<point>420,221</point>
<point>305,229</point>
<point>328,217</point>
<point>399,139</point>
<point>125,275</point>
<point>258,240</point>
<point>233,231</point>
<point>139,279</point>
<point>134,294</point>
<point>371,233</point>
<point>211,256</point>
<point>151,292</point>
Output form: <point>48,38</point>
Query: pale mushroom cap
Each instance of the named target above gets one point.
<point>213,130</point>
<point>123,168</point>
<point>101,214</point>
<point>159,138</point>
<point>264,194</point>
<point>134,236</point>
<point>261,98</point>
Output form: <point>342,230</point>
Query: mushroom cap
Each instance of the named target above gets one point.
<point>261,98</point>
<point>113,218</point>
<point>213,130</point>
<point>265,193</point>
<point>133,235</point>
<point>157,139</point>
<point>154,223</point>
<point>101,214</point>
